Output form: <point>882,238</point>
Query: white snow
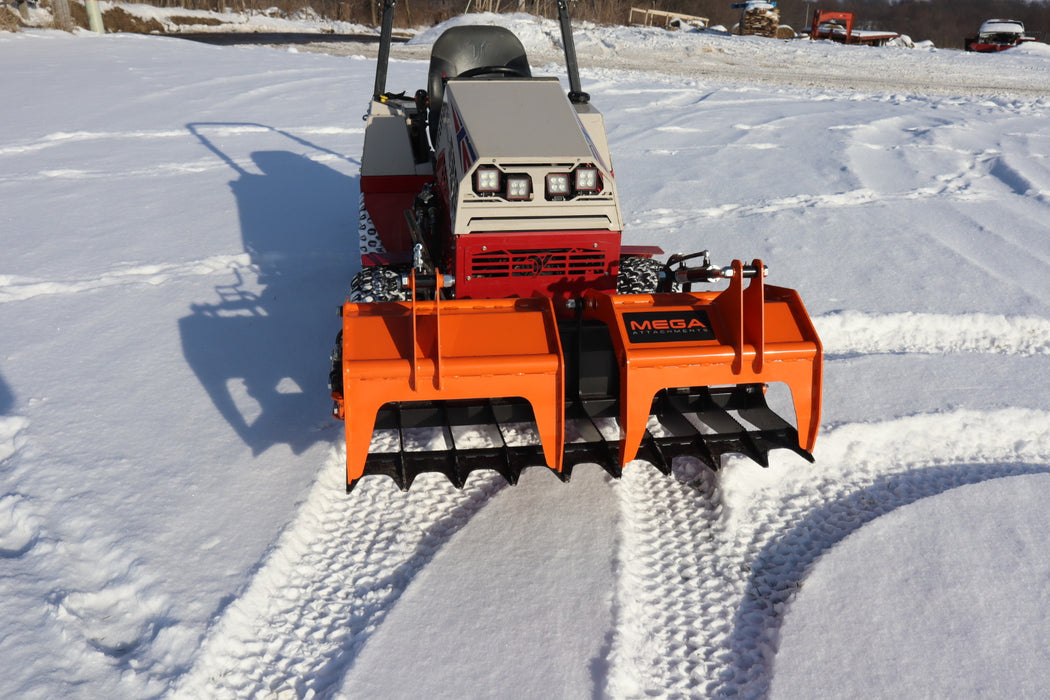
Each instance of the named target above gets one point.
<point>955,580</point>
<point>178,224</point>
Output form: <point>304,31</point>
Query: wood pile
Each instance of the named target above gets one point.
<point>761,19</point>
<point>641,17</point>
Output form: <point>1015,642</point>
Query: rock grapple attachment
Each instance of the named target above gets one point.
<point>550,342</point>
<point>678,373</point>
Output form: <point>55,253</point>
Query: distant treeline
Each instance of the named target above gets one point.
<point>946,23</point>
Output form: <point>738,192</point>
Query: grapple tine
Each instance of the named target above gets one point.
<point>670,414</point>
<point>755,453</point>
<point>650,451</point>
<point>457,480</point>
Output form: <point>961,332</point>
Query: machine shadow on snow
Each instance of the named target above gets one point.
<point>259,352</point>
<point>778,571</point>
<point>7,397</point>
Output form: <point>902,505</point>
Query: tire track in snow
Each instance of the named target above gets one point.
<point>18,288</point>
<point>34,172</point>
<point>153,170</point>
<point>329,581</point>
<point>701,587</point>
<point>840,200</point>
<point>64,138</point>
<point>19,523</point>
<point>709,562</point>
<point>707,570</point>
<point>854,332</point>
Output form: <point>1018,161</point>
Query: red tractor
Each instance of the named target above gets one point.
<point>498,314</point>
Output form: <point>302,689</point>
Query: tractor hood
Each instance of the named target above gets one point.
<point>525,132</point>
<point>518,120</point>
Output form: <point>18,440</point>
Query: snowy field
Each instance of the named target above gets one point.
<point>178,224</point>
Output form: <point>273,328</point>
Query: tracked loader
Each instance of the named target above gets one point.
<point>499,322</point>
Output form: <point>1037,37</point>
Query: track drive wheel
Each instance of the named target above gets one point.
<point>378,283</point>
<point>638,275</point>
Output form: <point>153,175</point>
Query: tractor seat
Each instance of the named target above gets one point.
<point>469,49</point>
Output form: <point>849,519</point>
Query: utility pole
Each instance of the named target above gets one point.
<point>94,16</point>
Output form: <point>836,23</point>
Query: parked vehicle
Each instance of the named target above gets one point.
<point>838,26</point>
<point>998,35</point>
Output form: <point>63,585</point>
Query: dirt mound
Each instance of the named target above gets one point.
<point>118,20</point>
<point>9,20</point>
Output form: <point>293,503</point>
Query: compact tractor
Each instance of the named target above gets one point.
<point>499,315</point>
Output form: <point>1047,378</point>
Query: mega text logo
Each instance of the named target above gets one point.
<point>667,326</point>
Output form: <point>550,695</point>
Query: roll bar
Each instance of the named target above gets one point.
<point>576,93</point>
<point>385,34</point>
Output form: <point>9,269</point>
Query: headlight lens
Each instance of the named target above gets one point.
<point>519,187</point>
<point>558,185</point>
<point>486,180</point>
<point>586,180</point>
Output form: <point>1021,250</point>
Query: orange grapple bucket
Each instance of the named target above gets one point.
<point>743,338</point>
<point>743,335</point>
<point>449,350</point>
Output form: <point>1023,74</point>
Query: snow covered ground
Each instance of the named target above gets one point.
<point>178,226</point>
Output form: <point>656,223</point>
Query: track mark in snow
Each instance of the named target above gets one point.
<point>840,200</point>
<point>16,288</point>
<point>10,430</point>
<point>332,577</point>
<point>155,170</point>
<point>708,570</point>
<point>19,522</point>
<point>19,526</point>
<point>534,558</point>
<point>93,601</point>
<point>105,608</point>
<point>668,541</point>
<point>62,138</point>
<point>1014,180</point>
<point>116,619</point>
<point>854,333</point>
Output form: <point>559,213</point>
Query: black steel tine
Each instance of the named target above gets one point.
<point>453,468</point>
<point>608,458</point>
<point>688,437</point>
<point>509,472</point>
<point>403,480</point>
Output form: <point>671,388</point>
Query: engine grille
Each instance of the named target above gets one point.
<point>565,262</point>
